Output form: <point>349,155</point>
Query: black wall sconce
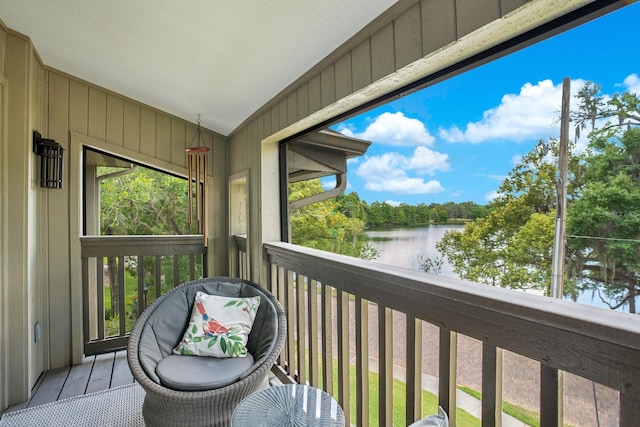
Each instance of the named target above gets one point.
<point>51,160</point>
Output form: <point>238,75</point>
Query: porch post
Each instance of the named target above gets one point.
<point>267,208</point>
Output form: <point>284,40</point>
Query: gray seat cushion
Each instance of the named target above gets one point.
<point>197,373</point>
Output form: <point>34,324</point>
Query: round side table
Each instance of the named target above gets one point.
<point>288,405</point>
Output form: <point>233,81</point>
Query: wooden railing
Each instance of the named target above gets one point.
<point>122,275</point>
<point>240,258</point>
<point>340,310</point>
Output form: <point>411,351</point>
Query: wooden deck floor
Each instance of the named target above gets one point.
<point>94,374</point>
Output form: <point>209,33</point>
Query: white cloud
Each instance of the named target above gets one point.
<point>405,185</point>
<point>393,203</point>
<point>352,161</point>
<point>428,161</point>
<point>328,184</point>
<point>490,197</point>
<point>453,134</point>
<point>423,161</point>
<point>632,82</point>
<point>391,171</point>
<point>531,114</point>
<point>346,131</point>
<point>393,129</point>
<point>498,178</point>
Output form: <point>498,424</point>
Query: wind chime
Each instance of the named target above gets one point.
<point>197,164</point>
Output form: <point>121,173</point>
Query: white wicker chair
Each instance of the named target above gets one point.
<point>158,330</point>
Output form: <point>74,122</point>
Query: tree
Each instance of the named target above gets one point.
<point>511,245</point>
<point>376,216</point>
<point>351,205</point>
<point>142,202</point>
<point>439,214</point>
<point>430,265</point>
<point>325,226</point>
<point>423,214</point>
<point>605,221</point>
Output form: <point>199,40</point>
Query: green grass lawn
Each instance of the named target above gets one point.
<point>112,326</point>
<point>429,401</point>
<point>527,416</point>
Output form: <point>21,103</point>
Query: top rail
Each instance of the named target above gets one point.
<point>93,246</point>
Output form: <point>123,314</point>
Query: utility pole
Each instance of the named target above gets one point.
<point>551,408</point>
<point>557,274</point>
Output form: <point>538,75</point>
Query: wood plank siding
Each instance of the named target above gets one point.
<point>42,269</point>
<point>409,31</point>
<point>95,117</point>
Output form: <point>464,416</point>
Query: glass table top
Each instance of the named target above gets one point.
<point>288,405</point>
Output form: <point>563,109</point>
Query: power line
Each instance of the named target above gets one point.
<point>605,238</point>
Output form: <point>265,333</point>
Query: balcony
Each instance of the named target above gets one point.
<point>374,336</point>
<point>356,316</point>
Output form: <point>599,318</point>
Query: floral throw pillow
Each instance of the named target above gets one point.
<point>219,326</point>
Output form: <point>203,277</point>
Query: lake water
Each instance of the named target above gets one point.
<point>403,247</point>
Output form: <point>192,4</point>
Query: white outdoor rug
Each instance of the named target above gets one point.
<point>118,407</point>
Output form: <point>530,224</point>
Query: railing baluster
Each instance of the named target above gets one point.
<point>312,294</point>
<point>142,296</point>
<point>550,396</point>
<point>291,320</point>
<point>629,410</point>
<point>342,299</point>
<point>385,365</point>
<point>244,265</point>
<point>327,339</point>
<point>448,363</point>
<point>122,291</point>
<point>175,261</point>
<point>157,275</point>
<point>91,290</point>
<point>301,330</point>
<point>414,369</point>
<point>100,296</point>
<point>86,317</point>
<point>362,361</point>
<point>272,286</point>
<point>280,294</point>
<point>491,385</point>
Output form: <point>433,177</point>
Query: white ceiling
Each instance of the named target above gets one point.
<point>220,58</point>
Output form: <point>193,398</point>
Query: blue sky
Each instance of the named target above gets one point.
<point>457,140</point>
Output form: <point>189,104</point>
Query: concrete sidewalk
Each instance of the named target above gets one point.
<point>463,401</point>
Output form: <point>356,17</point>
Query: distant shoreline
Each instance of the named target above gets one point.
<point>460,221</point>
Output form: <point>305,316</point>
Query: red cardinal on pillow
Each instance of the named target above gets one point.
<point>212,326</point>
